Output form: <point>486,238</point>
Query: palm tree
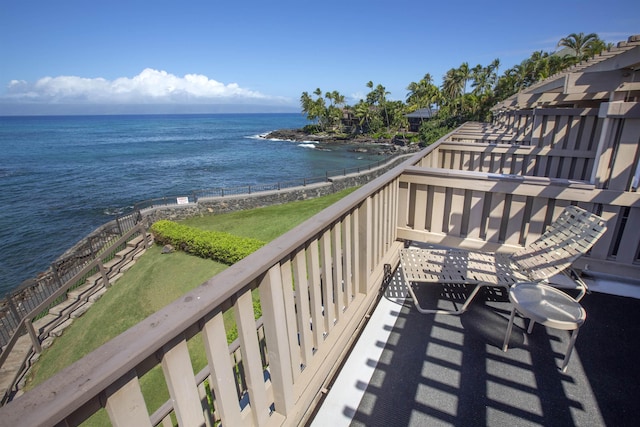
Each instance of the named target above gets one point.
<point>363,112</point>
<point>464,75</point>
<point>596,47</point>
<point>422,94</point>
<point>378,95</point>
<point>315,109</point>
<point>578,43</point>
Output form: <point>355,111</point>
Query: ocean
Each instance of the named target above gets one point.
<point>61,177</point>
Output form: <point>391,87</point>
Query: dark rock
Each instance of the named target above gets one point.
<point>366,143</point>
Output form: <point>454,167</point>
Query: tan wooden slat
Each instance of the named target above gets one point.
<point>536,227</point>
<point>243,311</point>
<point>421,207</point>
<point>495,217</point>
<point>560,131</point>
<point>347,265</point>
<point>475,226</point>
<point>516,220</point>
<point>290,317</point>
<point>327,280</point>
<point>456,212</point>
<point>315,292</point>
<point>125,403</point>
<point>181,383</point>
<point>364,243</point>
<point>356,255</point>
<point>403,204</point>
<point>626,158</point>
<point>375,229</point>
<point>628,249</point>
<point>302,303</point>
<point>222,378</point>
<point>275,314</point>
<point>338,283</point>
<point>437,209</point>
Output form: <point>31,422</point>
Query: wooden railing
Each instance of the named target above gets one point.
<point>25,299</point>
<point>93,278</point>
<point>496,212</point>
<point>315,285</point>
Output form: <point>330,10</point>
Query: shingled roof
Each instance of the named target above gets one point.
<point>614,75</point>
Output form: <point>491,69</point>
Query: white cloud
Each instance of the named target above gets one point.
<point>149,87</point>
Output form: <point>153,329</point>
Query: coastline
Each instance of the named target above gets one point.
<point>362,144</point>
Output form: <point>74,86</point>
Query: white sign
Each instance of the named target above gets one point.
<point>182,200</point>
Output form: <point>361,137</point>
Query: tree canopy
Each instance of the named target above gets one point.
<point>465,93</point>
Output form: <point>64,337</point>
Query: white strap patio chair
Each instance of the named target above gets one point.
<point>566,239</point>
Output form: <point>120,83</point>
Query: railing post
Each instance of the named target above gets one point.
<point>56,277</point>
<point>13,309</point>
<point>35,340</point>
<point>103,273</point>
<point>143,230</point>
<point>118,225</point>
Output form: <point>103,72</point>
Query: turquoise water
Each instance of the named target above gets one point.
<point>62,177</point>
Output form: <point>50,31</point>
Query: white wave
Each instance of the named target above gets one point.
<point>307,145</point>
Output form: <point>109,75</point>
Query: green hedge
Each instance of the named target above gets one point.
<point>216,245</point>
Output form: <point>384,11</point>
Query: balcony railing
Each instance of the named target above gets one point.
<point>317,283</point>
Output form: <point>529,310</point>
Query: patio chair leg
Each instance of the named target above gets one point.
<point>440,311</point>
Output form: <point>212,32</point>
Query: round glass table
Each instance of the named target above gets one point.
<point>548,306</point>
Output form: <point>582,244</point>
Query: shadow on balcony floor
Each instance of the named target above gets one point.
<point>450,370</point>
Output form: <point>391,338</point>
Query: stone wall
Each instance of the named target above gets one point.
<point>219,205</point>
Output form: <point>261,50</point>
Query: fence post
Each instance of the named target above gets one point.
<point>13,309</point>
<point>143,230</point>
<point>56,277</point>
<point>103,273</point>
<point>118,224</point>
<point>35,340</point>
<point>93,253</point>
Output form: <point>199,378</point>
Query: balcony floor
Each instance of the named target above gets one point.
<point>412,369</point>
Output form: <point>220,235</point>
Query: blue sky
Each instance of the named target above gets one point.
<point>68,55</point>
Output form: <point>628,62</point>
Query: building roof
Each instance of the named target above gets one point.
<point>422,113</point>
<point>592,81</point>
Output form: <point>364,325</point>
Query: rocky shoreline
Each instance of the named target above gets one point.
<point>364,144</point>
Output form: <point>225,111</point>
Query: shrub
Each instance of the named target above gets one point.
<point>215,245</point>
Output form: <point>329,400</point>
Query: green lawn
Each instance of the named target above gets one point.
<point>158,279</point>
<point>269,222</point>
